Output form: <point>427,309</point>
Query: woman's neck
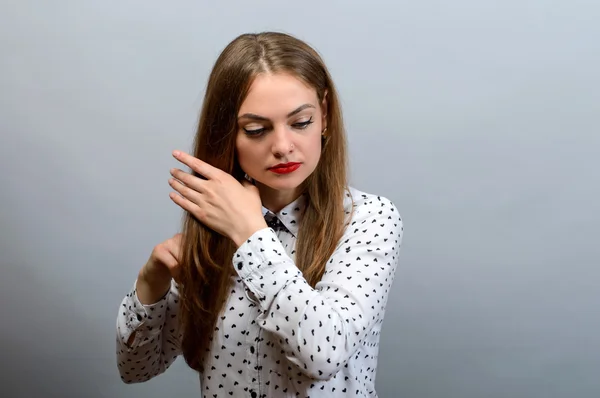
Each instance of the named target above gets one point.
<point>275,200</point>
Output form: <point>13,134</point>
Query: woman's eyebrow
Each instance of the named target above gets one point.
<point>253,116</point>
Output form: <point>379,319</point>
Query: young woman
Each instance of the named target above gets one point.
<point>278,283</point>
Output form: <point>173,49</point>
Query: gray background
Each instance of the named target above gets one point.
<point>479,119</point>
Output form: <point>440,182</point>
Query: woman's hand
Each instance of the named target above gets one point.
<point>220,202</point>
<point>154,279</point>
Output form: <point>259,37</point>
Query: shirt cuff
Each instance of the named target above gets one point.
<point>151,317</point>
<point>256,252</point>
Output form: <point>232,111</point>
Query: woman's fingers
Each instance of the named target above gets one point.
<point>174,246</point>
<point>186,191</point>
<point>189,193</point>
<point>165,256</point>
<point>200,167</point>
<point>193,182</point>
<point>189,206</point>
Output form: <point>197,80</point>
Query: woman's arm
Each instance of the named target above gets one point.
<point>320,329</point>
<point>148,336</point>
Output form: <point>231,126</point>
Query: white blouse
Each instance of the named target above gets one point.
<point>277,336</point>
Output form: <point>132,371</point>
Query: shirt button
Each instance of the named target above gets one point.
<point>252,350</point>
<point>253,394</point>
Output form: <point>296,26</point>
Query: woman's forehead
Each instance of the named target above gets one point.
<point>277,95</point>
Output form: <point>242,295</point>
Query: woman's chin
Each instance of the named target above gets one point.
<point>279,184</point>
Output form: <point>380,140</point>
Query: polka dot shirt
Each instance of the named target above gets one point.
<point>277,336</point>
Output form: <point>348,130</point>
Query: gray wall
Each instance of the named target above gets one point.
<point>478,118</point>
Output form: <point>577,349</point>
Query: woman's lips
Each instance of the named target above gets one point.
<point>285,168</point>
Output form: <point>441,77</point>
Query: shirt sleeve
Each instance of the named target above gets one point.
<point>319,329</point>
<point>157,339</point>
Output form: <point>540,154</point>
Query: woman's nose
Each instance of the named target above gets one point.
<point>282,141</point>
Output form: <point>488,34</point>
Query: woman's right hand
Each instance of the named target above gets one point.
<point>154,279</point>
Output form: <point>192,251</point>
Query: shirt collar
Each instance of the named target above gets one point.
<point>290,216</point>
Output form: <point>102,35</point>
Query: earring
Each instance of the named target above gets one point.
<point>324,131</point>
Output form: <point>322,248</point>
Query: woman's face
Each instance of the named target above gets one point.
<point>279,138</point>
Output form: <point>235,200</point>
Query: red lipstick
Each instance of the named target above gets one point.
<point>285,168</point>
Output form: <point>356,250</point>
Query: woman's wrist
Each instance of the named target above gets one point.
<point>151,287</point>
<point>242,234</point>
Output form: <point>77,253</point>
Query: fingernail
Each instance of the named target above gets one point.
<point>176,153</point>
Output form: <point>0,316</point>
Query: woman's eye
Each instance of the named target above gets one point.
<point>303,125</point>
<point>254,132</point>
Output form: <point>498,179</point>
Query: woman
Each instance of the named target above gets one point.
<point>278,284</point>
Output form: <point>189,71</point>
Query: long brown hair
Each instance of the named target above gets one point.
<point>206,258</point>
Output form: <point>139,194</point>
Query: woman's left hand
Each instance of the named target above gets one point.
<point>220,202</point>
